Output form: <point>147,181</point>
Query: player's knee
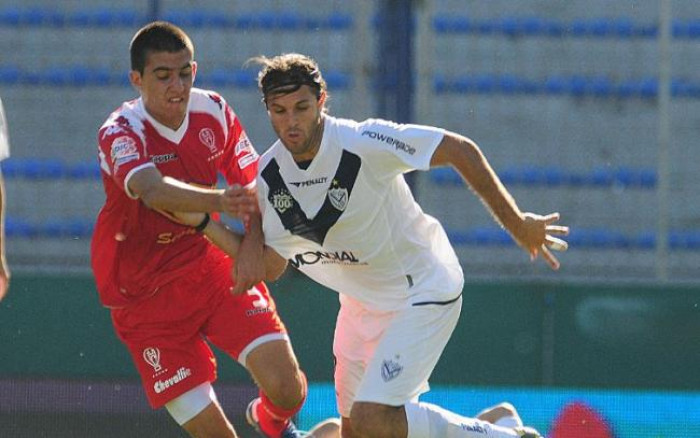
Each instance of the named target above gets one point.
<point>373,420</point>
<point>286,391</point>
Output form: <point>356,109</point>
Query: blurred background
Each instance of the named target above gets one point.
<point>590,108</point>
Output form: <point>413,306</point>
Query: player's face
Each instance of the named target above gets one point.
<point>165,85</point>
<point>297,120</point>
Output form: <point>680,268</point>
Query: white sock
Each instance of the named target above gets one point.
<point>426,420</point>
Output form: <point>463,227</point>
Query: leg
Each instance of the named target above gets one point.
<point>175,363</point>
<point>274,368</point>
<point>199,413</point>
<point>377,420</point>
<point>248,328</point>
<point>397,373</point>
<point>210,423</point>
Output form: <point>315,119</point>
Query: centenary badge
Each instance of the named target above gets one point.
<point>282,201</point>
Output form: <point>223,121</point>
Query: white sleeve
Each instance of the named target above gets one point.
<point>399,147</point>
<point>4,135</point>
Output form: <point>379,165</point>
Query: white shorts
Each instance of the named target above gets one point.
<point>387,357</point>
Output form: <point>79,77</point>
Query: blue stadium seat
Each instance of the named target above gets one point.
<point>10,74</point>
<point>555,85</point>
<point>19,228</point>
<point>601,176</point>
<point>10,16</point>
<point>601,86</point>
<point>339,21</point>
<point>684,240</point>
<point>84,170</point>
<point>480,236</point>
<point>451,24</point>
<point>289,21</point>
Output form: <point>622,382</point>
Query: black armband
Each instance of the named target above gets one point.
<point>202,225</point>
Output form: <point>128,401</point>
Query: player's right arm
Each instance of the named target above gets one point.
<point>229,241</point>
<point>165,193</point>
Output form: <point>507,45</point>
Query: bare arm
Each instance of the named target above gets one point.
<point>250,269</point>
<point>168,194</point>
<point>531,231</point>
<point>231,243</point>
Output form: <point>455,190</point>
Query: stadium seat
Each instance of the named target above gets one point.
<point>18,228</point>
<point>84,170</point>
<point>10,74</point>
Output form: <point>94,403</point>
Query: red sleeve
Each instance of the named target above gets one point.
<point>240,161</point>
<point>121,151</point>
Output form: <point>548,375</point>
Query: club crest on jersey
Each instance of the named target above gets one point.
<point>152,357</point>
<point>282,201</point>
<point>390,370</point>
<point>206,136</point>
<point>338,196</point>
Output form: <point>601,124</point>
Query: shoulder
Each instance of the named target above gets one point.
<point>207,101</point>
<point>271,153</point>
<point>127,120</point>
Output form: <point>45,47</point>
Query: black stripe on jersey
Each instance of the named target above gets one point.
<point>437,303</point>
<point>293,218</point>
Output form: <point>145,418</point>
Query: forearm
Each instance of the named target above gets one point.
<point>230,242</point>
<point>468,160</point>
<point>173,195</point>
<point>165,193</point>
<point>253,240</point>
<point>223,237</point>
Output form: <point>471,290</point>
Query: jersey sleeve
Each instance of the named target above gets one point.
<point>398,148</point>
<point>240,162</point>
<point>121,154</point>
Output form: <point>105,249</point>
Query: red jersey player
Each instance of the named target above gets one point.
<point>169,289</point>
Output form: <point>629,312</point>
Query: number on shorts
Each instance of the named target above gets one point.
<point>261,302</point>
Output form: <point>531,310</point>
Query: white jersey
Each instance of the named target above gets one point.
<point>4,136</point>
<point>349,221</point>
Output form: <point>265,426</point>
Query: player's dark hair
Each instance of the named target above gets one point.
<point>158,36</point>
<point>286,73</point>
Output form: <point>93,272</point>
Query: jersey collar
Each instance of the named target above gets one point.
<point>169,134</point>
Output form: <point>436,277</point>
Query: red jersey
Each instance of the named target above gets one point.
<point>136,250</point>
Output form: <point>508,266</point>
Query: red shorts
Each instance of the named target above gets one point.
<point>166,335</point>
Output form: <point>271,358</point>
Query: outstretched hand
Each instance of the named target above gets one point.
<point>536,235</point>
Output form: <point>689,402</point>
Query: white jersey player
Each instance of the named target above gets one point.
<point>336,206</point>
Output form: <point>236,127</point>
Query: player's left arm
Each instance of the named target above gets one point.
<point>249,268</point>
<point>533,232</point>
<point>231,243</point>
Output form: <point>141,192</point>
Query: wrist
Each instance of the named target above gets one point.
<point>202,225</point>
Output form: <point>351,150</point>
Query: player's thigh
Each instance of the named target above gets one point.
<point>167,348</point>
<point>240,323</point>
<point>407,353</point>
<point>357,333</point>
